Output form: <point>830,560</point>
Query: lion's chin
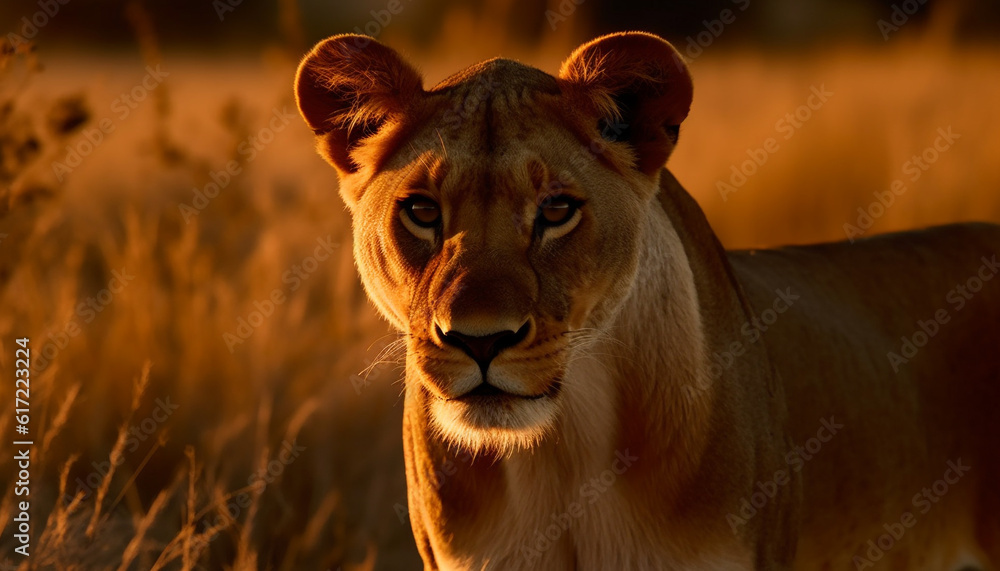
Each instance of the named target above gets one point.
<point>495,424</point>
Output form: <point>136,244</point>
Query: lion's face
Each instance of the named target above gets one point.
<point>496,218</point>
<point>495,263</point>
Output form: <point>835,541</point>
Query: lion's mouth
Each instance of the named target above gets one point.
<point>485,393</point>
<point>488,417</point>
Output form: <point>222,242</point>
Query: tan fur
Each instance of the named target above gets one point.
<point>624,438</point>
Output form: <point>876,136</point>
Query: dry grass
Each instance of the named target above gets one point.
<point>294,379</point>
<point>886,107</point>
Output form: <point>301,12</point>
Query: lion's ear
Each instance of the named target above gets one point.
<point>347,88</point>
<point>638,89</point>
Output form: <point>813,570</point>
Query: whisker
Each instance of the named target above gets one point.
<point>443,147</point>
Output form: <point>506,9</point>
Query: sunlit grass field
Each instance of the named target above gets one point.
<point>210,388</point>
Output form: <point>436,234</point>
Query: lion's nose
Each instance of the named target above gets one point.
<point>483,349</point>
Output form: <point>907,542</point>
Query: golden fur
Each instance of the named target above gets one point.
<point>663,404</point>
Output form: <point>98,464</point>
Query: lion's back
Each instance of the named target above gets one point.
<point>897,338</point>
<point>900,303</point>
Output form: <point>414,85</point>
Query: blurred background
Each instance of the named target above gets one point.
<point>210,388</point>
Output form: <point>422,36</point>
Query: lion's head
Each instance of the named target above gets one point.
<point>497,215</point>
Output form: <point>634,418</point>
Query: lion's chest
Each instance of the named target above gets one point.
<point>590,527</point>
<point>566,504</point>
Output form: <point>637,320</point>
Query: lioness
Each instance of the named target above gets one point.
<point>592,382</point>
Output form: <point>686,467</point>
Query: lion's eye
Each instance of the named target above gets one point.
<point>423,211</point>
<point>557,210</point>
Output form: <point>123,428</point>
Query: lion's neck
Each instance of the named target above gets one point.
<point>662,385</point>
